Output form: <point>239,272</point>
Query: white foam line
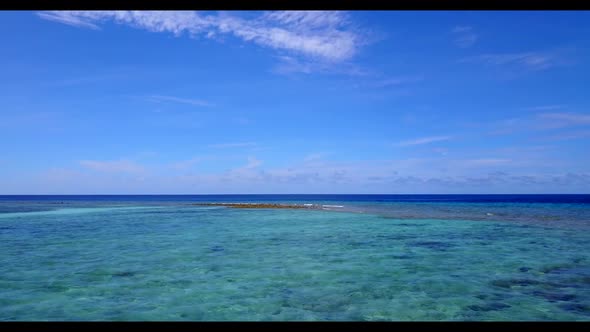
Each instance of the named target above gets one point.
<point>65,211</point>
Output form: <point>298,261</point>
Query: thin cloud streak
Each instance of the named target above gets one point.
<point>540,122</point>
<point>396,81</point>
<point>294,65</point>
<point>188,101</point>
<point>424,140</point>
<point>530,60</point>
<point>570,136</point>
<point>560,120</point>
<point>67,18</point>
<point>487,162</point>
<point>546,108</point>
<point>232,145</point>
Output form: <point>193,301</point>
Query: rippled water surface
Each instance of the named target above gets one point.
<point>376,258</point>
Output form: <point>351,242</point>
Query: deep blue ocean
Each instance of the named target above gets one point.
<point>362,257</point>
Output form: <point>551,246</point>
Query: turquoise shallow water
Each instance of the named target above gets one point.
<point>172,261</point>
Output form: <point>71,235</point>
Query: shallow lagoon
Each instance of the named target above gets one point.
<point>172,261</point>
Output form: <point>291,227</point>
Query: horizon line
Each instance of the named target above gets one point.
<point>277,194</point>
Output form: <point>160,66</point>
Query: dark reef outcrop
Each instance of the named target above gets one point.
<point>262,205</point>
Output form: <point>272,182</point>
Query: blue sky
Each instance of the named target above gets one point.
<point>294,102</point>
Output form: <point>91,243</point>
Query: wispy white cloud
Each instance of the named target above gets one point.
<point>116,166</point>
<point>325,35</point>
<point>303,20</point>
<point>400,174</point>
<point>249,171</point>
<point>232,145</point>
<point>67,17</point>
<point>487,161</point>
<point>290,65</point>
<point>529,60</point>
<point>508,126</point>
<point>188,101</point>
<point>570,136</point>
<point>396,81</point>
<point>186,164</point>
<point>253,163</point>
<point>423,140</point>
<point>441,151</point>
<point>296,65</point>
<point>546,108</point>
<point>560,120</point>
<point>538,122</point>
<point>464,36</point>
<point>379,84</point>
<point>486,173</point>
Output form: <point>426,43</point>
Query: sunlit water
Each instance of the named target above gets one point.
<point>162,259</point>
